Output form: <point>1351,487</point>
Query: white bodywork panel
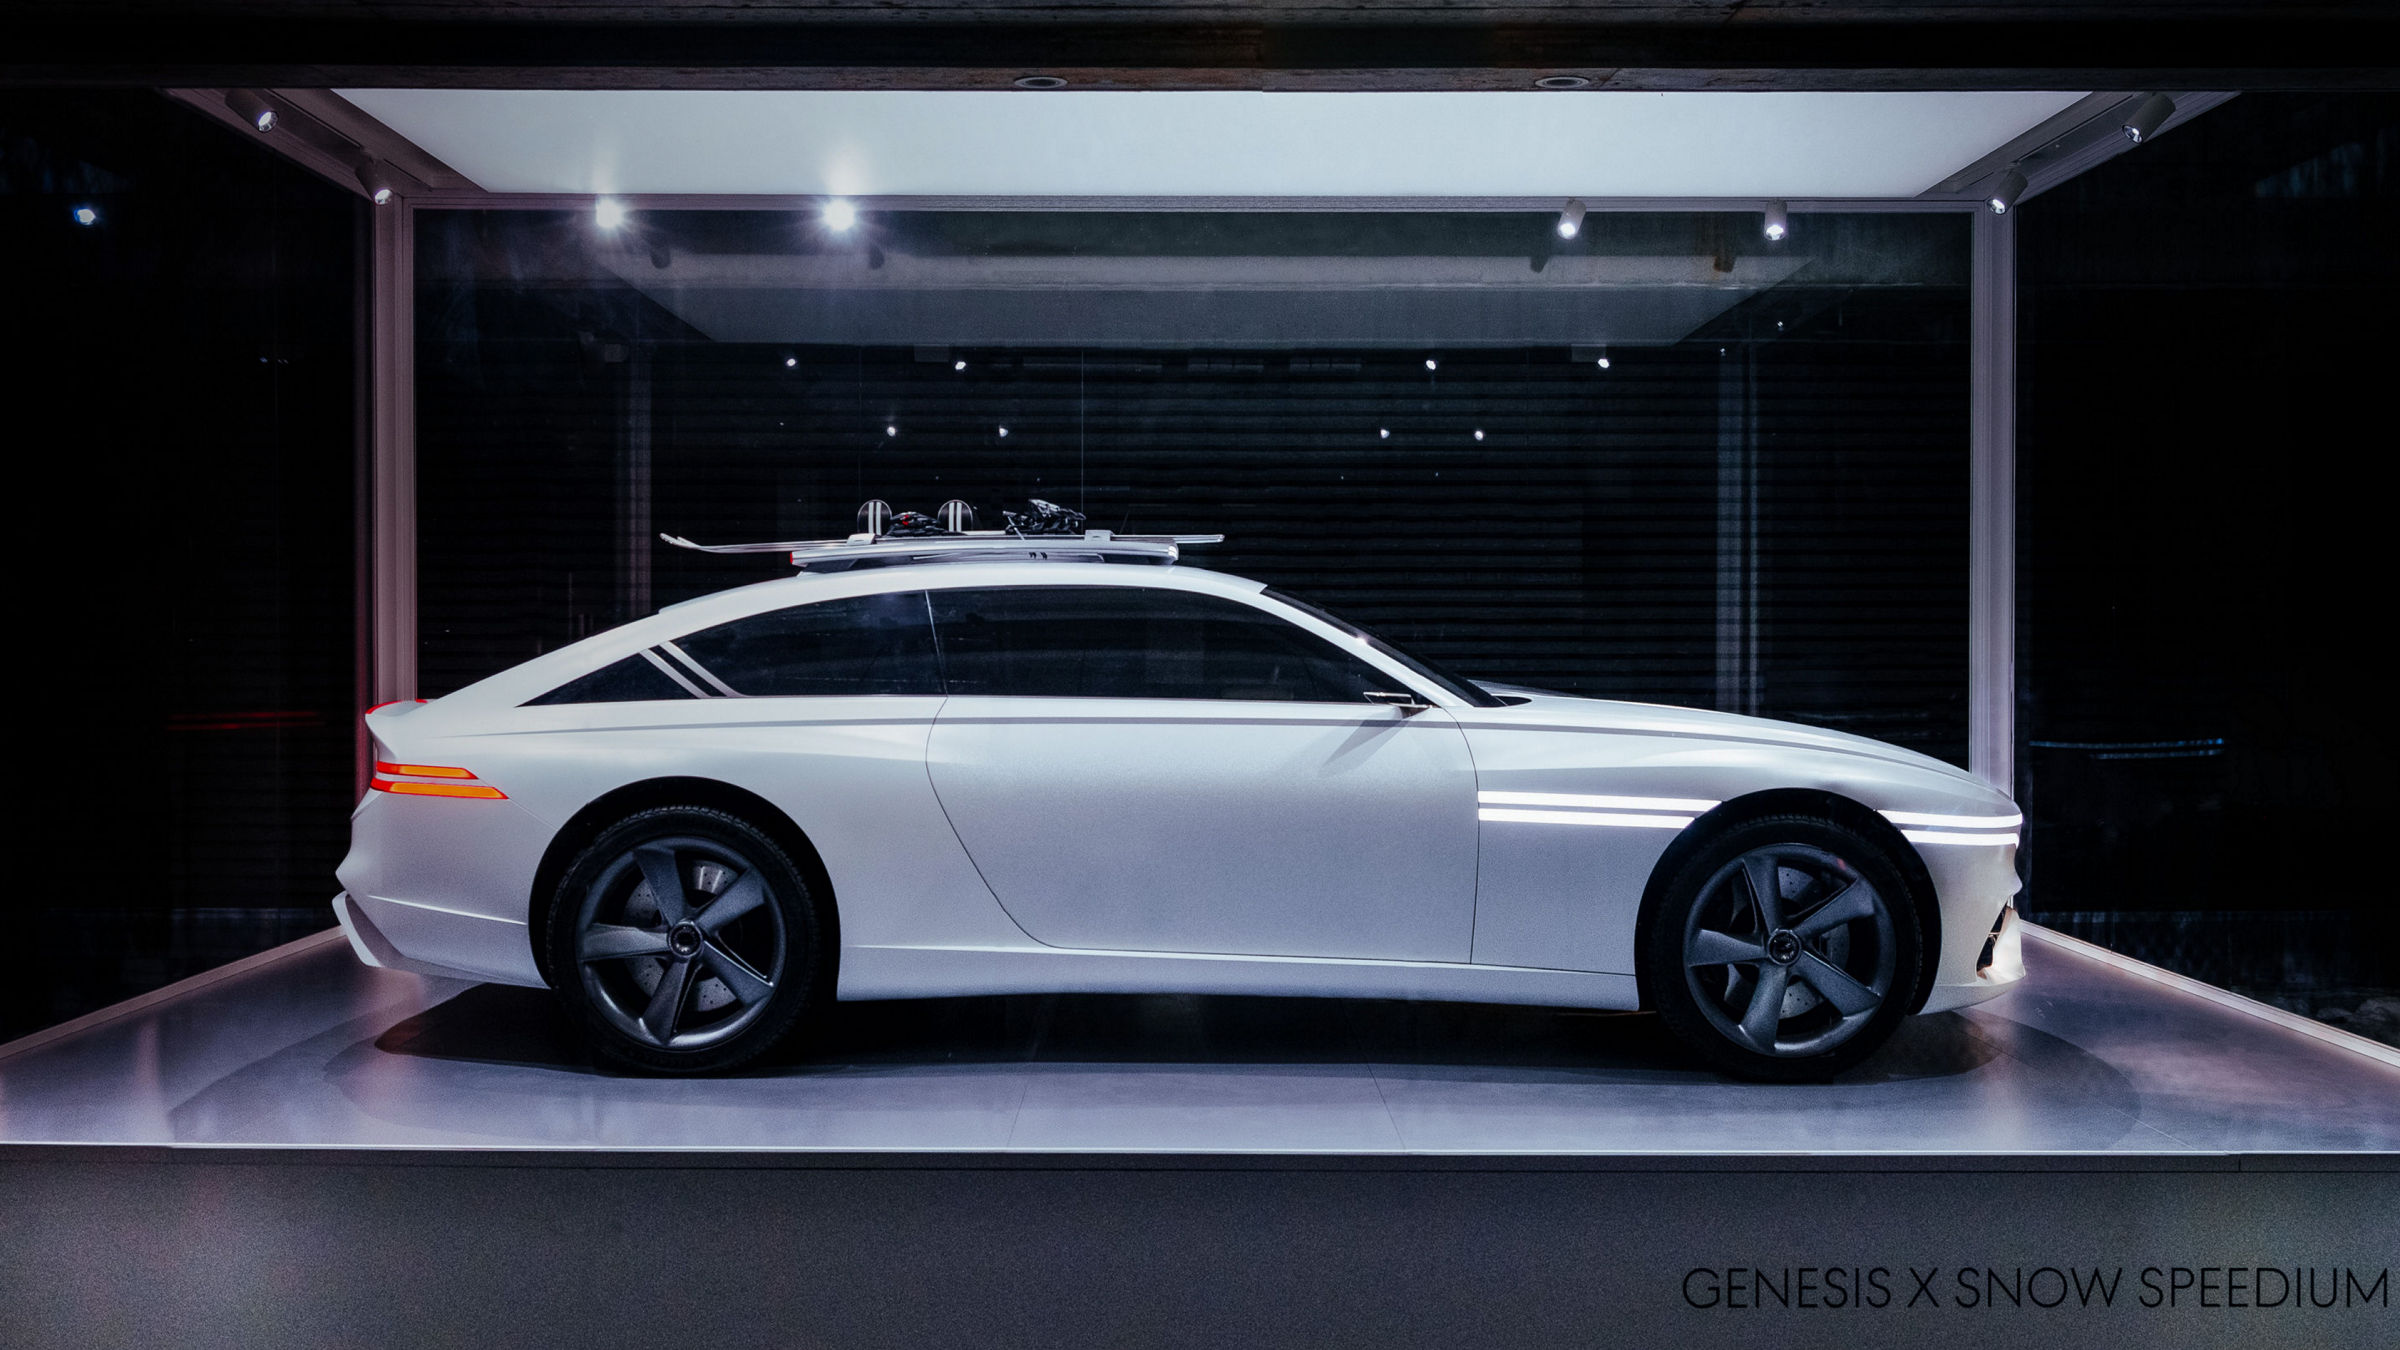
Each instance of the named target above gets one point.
<point>995,845</point>
<point>1562,884</point>
<point>1241,828</point>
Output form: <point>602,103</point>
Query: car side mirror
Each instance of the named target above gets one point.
<point>1408,704</point>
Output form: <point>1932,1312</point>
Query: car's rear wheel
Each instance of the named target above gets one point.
<point>1786,948</point>
<point>685,941</point>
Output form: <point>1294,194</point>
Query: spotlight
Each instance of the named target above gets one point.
<point>2005,191</point>
<point>1779,221</point>
<point>247,105</point>
<point>958,365</point>
<point>1004,433</point>
<point>890,431</point>
<point>85,215</point>
<point>1570,221</point>
<point>1479,433</point>
<point>2147,117</point>
<point>609,212</point>
<point>1602,359</point>
<point>839,215</point>
<point>377,183</point>
<point>1383,433</point>
<point>1429,365</point>
<point>790,362</point>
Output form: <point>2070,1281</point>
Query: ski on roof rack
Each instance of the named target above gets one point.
<point>886,540</point>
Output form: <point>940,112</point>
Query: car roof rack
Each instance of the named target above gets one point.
<point>866,550</point>
<point>1045,530</point>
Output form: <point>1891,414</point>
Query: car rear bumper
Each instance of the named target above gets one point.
<point>436,942</point>
<point>443,885</point>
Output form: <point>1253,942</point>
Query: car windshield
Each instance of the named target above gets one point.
<point>1432,674</point>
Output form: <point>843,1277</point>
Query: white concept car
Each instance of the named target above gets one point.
<point>990,764</point>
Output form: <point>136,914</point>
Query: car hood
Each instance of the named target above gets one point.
<point>1546,707</point>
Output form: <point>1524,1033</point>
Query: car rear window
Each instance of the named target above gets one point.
<point>632,680</point>
<point>869,644</point>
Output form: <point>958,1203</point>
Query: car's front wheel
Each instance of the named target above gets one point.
<point>684,940</point>
<point>1786,948</point>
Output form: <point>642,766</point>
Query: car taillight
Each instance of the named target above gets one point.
<point>401,784</point>
<point>420,770</point>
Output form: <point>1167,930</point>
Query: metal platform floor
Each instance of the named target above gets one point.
<point>305,1048</point>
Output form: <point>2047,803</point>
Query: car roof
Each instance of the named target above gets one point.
<point>546,672</point>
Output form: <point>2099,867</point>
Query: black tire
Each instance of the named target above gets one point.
<point>663,987</point>
<point>1842,929</point>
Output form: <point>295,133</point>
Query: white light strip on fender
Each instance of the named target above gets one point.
<point>1581,818</point>
<point>1688,805</point>
<point>1945,837</point>
<point>1955,822</point>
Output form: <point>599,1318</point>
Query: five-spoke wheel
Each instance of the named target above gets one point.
<point>684,938</point>
<point>1785,948</point>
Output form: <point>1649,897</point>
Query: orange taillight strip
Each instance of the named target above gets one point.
<point>478,790</point>
<point>421,770</point>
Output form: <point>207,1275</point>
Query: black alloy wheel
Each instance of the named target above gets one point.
<point>1786,949</point>
<point>683,940</point>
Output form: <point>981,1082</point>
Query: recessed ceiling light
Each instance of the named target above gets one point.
<point>248,106</point>
<point>1429,364</point>
<point>1040,82</point>
<point>2140,125</point>
<point>839,215</point>
<point>376,183</point>
<point>1563,82</point>
<point>1779,221</point>
<point>2006,191</point>
<point>85,215</point>
<point>609,212</point>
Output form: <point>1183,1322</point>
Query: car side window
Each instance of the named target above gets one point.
<point>1136,642</point>
<point>636,679</point>
<point>868,644</point>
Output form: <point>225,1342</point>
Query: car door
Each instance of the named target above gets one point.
<point>1139,768</point>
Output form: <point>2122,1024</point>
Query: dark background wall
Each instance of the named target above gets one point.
<point>179,402</point>
<point>2207,750</point>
